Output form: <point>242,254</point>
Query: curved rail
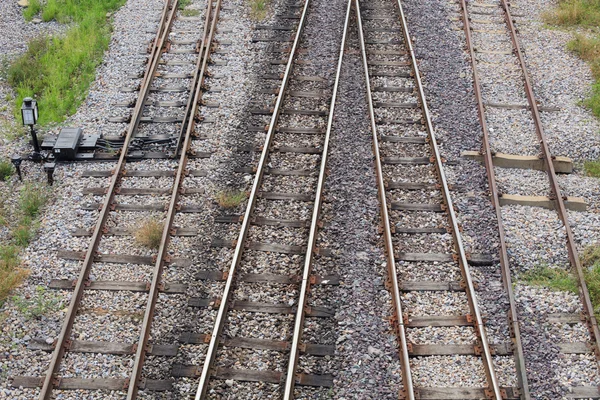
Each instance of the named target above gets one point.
<point>588,309</point>
<point>494,388</point>
<point>165,24</point>
<point>314,226</point>
<point>239,248</point>
<point>175,193</point>
<point>515,330</point>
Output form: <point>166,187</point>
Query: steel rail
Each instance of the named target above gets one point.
<point>290,381</point>
<point>392,282</point>
<point>514,326</point>
<point>494,388</point>
<point>239,247</point>
<point>161,257</point>
<point>555,187</point>
<point>63,339</point>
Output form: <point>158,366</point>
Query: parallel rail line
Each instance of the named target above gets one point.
<point>556,197</point>
<point>232,275</point>
<point>64,343</point>
<point>410,389</point>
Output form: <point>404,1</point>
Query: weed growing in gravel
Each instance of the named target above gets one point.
<point>149,233</point>
<point>590,259</point>
<point>11,275</point>
<point>258,9</point>
<point>183,4</point>
<point>575,12</point>
<point>231,198</point>
<point>552,278</point>
<point>39,304</point>
<point>582,13</point>
<point>31,201</point>
<point>6,170</point>
<point>592,168</point>
<point>192,12</point>
<point>58,71</point>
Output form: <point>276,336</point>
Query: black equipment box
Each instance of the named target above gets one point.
<point>67,144</point>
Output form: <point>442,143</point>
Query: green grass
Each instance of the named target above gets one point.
<point>39,304</point>
<point>32,199</point>
<point>183,4</point>
<point>231,198</point>
<point>575,12</point>
<point>582,13</point>
<point>58,71</point>
<point>592,168</point>
<point>190,13</point>
<point>11,275</point>
<point>552,278</point>
<point>258,9</point>
<point>6,170</point>
<point>590,259</point>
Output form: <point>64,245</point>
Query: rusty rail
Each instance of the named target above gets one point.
<point>588,309</point>
<point>397,319</point>
<point>493,389</point>
<point>513,320</point>
<point>239,248</point>
<point>62,342</point>
<point>161,257</point>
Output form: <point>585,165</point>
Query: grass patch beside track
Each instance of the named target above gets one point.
<point>32,199</point>
<point>258,9</point>
<point>58,71</point>
<point>582,14</point>
<point>559,279</point>
<point>552,278</point>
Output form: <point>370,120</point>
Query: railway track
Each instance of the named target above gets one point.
<point>135,299</point>
<point>414,199</point>
<point>267,281</point>
<point>492,26</point>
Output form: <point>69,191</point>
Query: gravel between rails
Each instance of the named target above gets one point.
<point>532,239</point>
<point>365,345</point>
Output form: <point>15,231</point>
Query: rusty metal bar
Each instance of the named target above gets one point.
<point>486,355</point>
<point>397,318</point>
<point>239,248</point>
<point>192,108</point>
<point>290,382</point>
<point>555,187</point>
<point>158,44</point>
<point>515,330</point>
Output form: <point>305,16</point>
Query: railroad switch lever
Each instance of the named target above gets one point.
<point>49,168</point>
<point>16,160</point>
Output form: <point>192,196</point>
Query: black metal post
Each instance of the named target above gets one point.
<point>49,168</point>
<point>36,146</point>
<point>16,161</point>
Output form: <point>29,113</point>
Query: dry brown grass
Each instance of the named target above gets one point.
<point>149,233</point>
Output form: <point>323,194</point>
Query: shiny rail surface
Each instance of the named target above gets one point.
<point>216,337</point>
<point>223,307</point>
<point>314,226</point>
<point>409,390</point>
